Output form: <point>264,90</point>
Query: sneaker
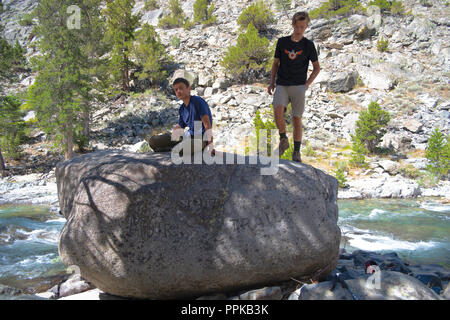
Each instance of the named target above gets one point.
<point>296,156</point>
<point>283,146</point>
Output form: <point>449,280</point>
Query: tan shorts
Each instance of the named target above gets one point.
<point>293,94</point>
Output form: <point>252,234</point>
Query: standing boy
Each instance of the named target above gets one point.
<point>290,66</point>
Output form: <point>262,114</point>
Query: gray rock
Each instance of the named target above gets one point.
<point>399,142</point>
<point>392,286</point>
<point>376,79</point>
<point>389,166</point>
<point>133,231</point>
<point>9,291</point>
<point>342,82</point>
<point>268,293</point>
<point>412,125</point>
<point>152,17</point>
<point>205,80</point>
<point>188,75</point>
<point>445,294</point>
<point>74,285</point>
<point>221,83</point>
<point>94,294</point>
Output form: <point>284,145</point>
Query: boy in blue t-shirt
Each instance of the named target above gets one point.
<point>193,111</point>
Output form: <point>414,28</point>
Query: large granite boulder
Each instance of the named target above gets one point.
<point>139,225</point>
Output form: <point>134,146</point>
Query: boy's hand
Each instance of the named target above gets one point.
<point>270,88</point>
<point>177,132</point>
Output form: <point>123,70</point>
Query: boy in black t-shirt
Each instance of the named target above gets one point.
<point>292,56</point>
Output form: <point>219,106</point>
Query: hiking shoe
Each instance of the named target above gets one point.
<point>283,146</point>
<point>296,156</point>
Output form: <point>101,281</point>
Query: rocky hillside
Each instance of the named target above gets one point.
<point>410,80</point>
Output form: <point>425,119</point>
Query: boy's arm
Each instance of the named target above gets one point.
<point>275,65</point>
<point>209,135</point>
<point>208,128</point>
<point>314,73</point>
<point>177,130</point>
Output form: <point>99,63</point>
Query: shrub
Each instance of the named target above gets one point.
<point>308,150</point>
<point>382,45</point>
<point>267,125</point>
<point>150,54</point>
<point>175,42</point>
<point>438,153</point>
<point>358,158</point>
<point>188,24</point>
<point>370,127</point>
<point>151,5</point>
<point>251,53</point>
<point>257,14</point>
<point>428,180</point>
<point>176,17</point>
<point>339,175</point>
<point>394,7</point>
<point>283,5</point>
<point>397,8</point>
<point>410,172</point>
<point>333,8</point>
<point>26,20</point>
<point>12,127</point>
<point>202,13</point>
<point>11,58</point>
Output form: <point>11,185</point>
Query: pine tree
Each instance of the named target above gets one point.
<point>257,14</point>
<point>11,128</point>
<point>202,13</point>
<point>175,18</point>
<point>150,54</point>
<point>12,59</point>
<point>62,85</point>
<point>121,24</point>
<point>370,127</point>
<point>438,153</point>
<point>93,48</point>
<point>250,53</point>
<point>284,6</point>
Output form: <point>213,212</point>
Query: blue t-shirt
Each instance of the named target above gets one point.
<point>194,112</point>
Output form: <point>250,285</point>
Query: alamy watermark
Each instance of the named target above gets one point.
<point>74,20</point>
<point>374,281</point>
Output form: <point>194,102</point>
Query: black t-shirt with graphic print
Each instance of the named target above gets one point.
<point>294,59</point>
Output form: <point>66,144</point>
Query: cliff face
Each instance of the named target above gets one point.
<point>410,80</point>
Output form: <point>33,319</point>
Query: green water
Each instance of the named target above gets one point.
<point>29,247</point>
<point>418,230</point>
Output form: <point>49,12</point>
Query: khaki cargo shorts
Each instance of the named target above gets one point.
<point>293,94</point>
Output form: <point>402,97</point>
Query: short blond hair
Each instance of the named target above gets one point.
<point>301,16</point>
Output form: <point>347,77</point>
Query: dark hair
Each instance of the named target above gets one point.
<point>181,80</point>
<point>301,16</point>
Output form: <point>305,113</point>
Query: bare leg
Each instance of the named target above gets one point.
<point>298,130</point>
<point>279,118</point>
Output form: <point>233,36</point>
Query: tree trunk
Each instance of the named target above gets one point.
<point>86,125</point>
<point>2,163</point>
<point>126,81</point>
<point>68,153</point>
